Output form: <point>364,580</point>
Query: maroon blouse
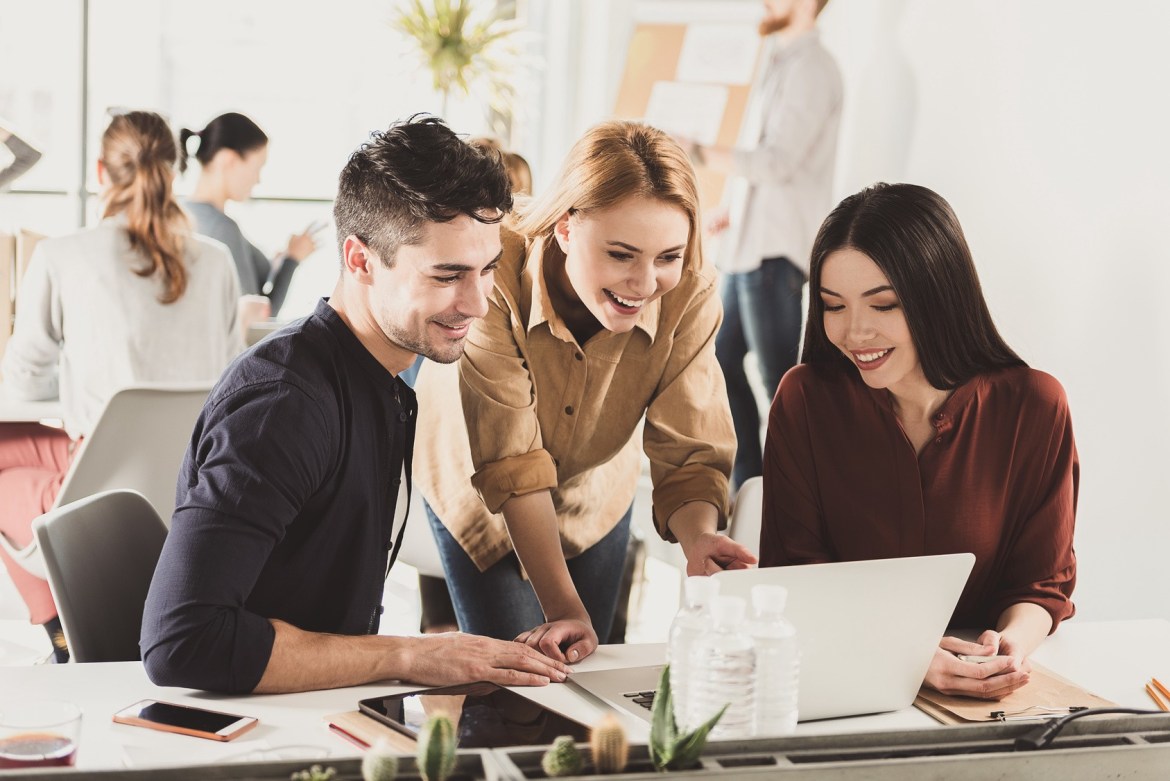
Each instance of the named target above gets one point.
<point>842,482</point>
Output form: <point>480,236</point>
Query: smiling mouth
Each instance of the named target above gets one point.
<point>624,303</point>
<point>447,326</point>
<point>870,359</point>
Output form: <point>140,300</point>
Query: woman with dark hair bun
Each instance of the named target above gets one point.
<point>135,299</point>
<point>911,428</point>
<point>231,151</point>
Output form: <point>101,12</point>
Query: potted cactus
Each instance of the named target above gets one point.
<point>562,758</point>
<point>436,749</point>
<point>611,749</point>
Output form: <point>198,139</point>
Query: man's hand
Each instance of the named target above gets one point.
<point>550,636</point>
<point>992,680</point>
<point>454,658</point>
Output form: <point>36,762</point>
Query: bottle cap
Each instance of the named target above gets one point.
<point>769,599</point>
<point>728,611</point>
<point>700,589</point>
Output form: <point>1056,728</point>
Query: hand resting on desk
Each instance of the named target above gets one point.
<point>577,635</point>
<point>992,680</point>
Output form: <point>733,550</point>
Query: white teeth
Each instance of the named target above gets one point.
<point>624,302</point>
<point>870,357</point>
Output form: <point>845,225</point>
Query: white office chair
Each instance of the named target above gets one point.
<point>747,515</point>
<point>100,553</point>
<point>138,444</point>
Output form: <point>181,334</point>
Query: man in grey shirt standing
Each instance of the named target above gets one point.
<point>779,190</point>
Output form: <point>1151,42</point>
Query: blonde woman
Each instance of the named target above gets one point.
<point>603,314</point>
<point>134,299</point>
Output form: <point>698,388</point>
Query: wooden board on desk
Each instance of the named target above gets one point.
<point>1045,689</point>
<point>360,729</point>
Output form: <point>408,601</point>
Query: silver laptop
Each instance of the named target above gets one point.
<point>867,632</point>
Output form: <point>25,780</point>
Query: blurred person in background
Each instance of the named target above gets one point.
<point>780,179</point>
<point>135,299</point>
<point>231,151</point>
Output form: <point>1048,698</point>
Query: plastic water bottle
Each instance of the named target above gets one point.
<point>777,662</point>
<point>723,672</point>
<point>691,621</point>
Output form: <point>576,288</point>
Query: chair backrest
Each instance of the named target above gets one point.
<point>746,516</point>
<point>138,443</point>
<point>100,554</point>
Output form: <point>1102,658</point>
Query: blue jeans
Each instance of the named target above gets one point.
<point>499,603</point>
<point>761,315</point>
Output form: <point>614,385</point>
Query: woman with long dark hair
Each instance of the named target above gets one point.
<point>135,299</point>
<point>911,428</point>
<point>231,151</point>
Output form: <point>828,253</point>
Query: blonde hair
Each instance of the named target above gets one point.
<point>614,161</point>
<point>139,154</point>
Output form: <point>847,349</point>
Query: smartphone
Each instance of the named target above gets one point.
<point>979,659</point>
<point>185,720</point>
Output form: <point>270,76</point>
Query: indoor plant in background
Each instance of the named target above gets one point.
<point>463,46</point>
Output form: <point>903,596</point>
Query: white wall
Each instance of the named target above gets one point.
<point>1047,125</point>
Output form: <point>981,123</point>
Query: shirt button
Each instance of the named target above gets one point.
<point>402,417</point>
<point>579,357</point>
<point>568,410</point>
<point>396,481</point>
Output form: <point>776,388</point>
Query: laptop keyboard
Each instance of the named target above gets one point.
<point>645,699</point>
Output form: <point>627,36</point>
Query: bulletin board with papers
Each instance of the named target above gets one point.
<point>691,80</point>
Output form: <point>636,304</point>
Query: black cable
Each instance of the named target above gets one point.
<point>1042,736</point>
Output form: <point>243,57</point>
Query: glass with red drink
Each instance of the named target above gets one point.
<point>39,733</point>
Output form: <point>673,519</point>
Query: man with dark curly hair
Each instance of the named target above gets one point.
<point>271,578</point>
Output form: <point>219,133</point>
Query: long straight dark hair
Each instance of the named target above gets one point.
<point>914,237</point>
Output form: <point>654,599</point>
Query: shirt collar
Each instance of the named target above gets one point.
<point>401,392</point>
<point>535,289</point>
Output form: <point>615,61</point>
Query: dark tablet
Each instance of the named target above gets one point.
<point>488,715</point>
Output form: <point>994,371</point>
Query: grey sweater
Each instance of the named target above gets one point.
<point>257,275</point>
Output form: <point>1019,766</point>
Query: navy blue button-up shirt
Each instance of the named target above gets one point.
<point>285,507</point>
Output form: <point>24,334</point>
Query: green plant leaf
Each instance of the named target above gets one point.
<point>663,727</point>
<point>688,750</point>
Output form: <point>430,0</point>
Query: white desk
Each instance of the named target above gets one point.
<point>1113,659</point>
<point>13,411</point>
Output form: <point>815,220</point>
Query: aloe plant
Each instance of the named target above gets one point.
<point>670,750</point>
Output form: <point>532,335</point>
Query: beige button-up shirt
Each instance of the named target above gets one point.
<point>528,409</point>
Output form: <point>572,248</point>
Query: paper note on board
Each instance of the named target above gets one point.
<point>692,111</point>
<point>718,53</point>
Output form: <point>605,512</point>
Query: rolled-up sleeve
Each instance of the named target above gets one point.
<point>499,407</point>
<point>688,436</point>
<point>256,456</point>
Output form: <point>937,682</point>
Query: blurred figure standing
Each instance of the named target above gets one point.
<point>780,188</point>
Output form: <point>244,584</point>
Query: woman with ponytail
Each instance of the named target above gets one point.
<point>231,150</point>
<point>135,299</point>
